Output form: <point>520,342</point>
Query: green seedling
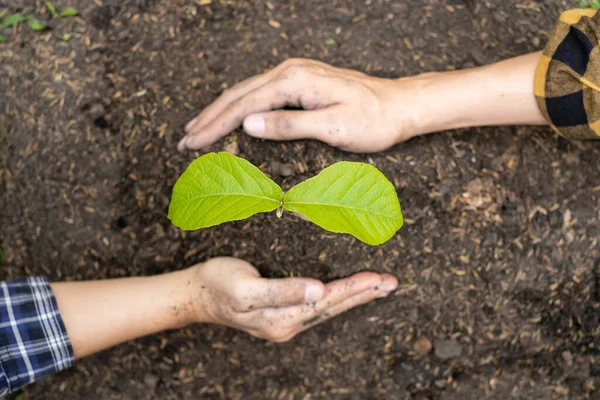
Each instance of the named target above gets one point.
<point>347,197</point>
<point>65,37</point>
<point>51,8</point>
<point>67,12</point>
<point>35,25</point>
<point>14,19</point>
<point>588,3</point>
<point>8,21</point>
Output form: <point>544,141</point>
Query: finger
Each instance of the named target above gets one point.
<point>304,320</point>
<point>265,98</point>
<point>302,88</point>
<point>226,98</point>
<point>343,289</point>
<point>261,292</point>
<point>196,125</point>
<point>354,301</point>
<point>337,292</point>
<point>291,125</point>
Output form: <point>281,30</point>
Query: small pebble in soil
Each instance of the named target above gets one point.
<point>446,349</point>
<point>232,147</point>
<point>422,346</point>
<point>151,381</point>
<point>568,357</point>
<point>281,169</point>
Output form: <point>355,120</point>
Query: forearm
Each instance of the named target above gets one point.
<point>497,94</point>
<point>101,314</point>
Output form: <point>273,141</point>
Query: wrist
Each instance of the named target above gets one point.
<point>178,298</point>
<point>496,94</point>
<point>195,302</point>
<point>440,101</point>
<point>426,103</point>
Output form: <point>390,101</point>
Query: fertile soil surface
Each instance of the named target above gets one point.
<point>498,262</point>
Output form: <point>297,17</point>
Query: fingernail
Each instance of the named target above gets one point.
<point>384,294</point>
<point>254,125</point>
<point>314,293</point>
<point>190,124</point>
<point>389,287</point>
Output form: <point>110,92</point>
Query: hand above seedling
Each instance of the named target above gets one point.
<point>347,197</point>
<point>356,112</point>
<point>343,108</point>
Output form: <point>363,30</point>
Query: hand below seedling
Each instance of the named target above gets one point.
<point>230,292</point>
<point>225,291</point>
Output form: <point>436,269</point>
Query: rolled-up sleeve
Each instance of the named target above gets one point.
<point>33,338</point>
<point>567,79</point>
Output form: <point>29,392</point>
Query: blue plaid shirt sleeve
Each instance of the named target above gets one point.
<point>33,338</point>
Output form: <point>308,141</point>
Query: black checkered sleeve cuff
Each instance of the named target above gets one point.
<point>567,79</point>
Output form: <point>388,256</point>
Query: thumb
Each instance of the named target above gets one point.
<point>290,125</point>
<point>286,292</point>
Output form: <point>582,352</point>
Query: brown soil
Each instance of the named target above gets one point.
<point>498,262</point>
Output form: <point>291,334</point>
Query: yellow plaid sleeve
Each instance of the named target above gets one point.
<point>567,79</point>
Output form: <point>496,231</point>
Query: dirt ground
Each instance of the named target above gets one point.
<point>499,260</point>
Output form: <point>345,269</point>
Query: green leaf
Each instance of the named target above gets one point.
<point>218,188</point>
<point>51,8</point>
<point>330,42</point>
<point>36,25</point>
<point>347,197</point>
<point>14,19</point>
<point>67,12</point>
<point>65,37</point>
<point>3,38</point>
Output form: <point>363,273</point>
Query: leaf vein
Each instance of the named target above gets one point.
<point>340,206</point>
